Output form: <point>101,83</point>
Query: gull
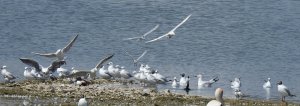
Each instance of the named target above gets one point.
<point>63,72</point>
<point>238,93</point>
<point>39,68</point>
<point>82,101</point>
<point>59,54</point>
<point>219,98</point>
<point>6,74</point>
<point>284,91</point>
<point>267,84</point>
<point>170,33</point>
<point>125,74</point>
<point>236,84</point>
<point>202,83</point>
<point>174,83</point>
<point>183,80</point>
<point>143,37</point>
<point>100,64</point>
<point>104,73</point>
<point>187,87</point>
<point>160,78</point>
<point>136,60</point>
<point>28,74</point>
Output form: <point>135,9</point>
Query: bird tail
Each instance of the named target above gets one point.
<point>216,79</point>
<point>293,95</point>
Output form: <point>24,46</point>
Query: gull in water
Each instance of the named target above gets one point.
<point>267,83</point>
<point>219,98</point>
<point>100,64</point>
<point>183,80</point>
<point>143,37</point>
<point>202,83</point>
<point>135,61</point>
<point>160,78</point>
<point>170,33</point>
<point>104,74</point>
<point>39,68</point>
<point>238,93</point>
<point>8,77</point>
<point>187,87</point>
<point>174,83</point>
<point>59,54</point>
<point>284,91</point>
<point>82,101</point>
<point>236,84</point>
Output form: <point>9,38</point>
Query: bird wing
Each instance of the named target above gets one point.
<point>147,33</point>
<point>67,48</point>
<point>214,79</point>
<point>56,64</point>
<point>129,55</point>
<point>31,63</point>
<point>181,23</point>
<point>288,92</point>
<point>51,55</point>
<point>158,38</point>
<point>141,55</point>
<point>132,38</point>
<point>103,61</point>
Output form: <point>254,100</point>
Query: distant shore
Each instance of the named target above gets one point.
<point>117,92</point>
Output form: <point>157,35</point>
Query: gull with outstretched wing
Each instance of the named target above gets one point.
<point>143,37</point>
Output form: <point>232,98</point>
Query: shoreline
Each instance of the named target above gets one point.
<point>116,92</point>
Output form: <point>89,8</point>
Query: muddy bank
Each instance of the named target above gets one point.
<point>113,92</point>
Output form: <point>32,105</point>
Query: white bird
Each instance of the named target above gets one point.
<point>82,101</point>
<point>267,84</point>
<point>39,68</point>
<point>174,83</point>
<point>284,91</point>
<point>160,78</point>
<point>183,80</point>
<point>219,98</point>
<point>143,37</point>
<point>136,60</point>
<point>170,33</point>
<point>59,54</point>
<point>238,93</point>
<point>28,74</point>
<point>100,64</point>
<point>104,74</point>
<point>63,72</point>
<point>6,74</point>
<point>125,74</point>
<point>202,83</point>
<point>236,84</point>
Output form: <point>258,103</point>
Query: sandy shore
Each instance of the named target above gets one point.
<point>115,92</point>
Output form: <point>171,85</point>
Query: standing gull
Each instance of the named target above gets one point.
<point>170,33</point>
<point>125,74</point>
<point>267,84</point>
<point>39,68</point>
<point>174,83</point>
<point>284,91</point>
<point>143,37</point>
<point>6,74</point>
<point>59,54</point>
<point>183,80</point>
<point>99,65</point>
<point>104,73</point>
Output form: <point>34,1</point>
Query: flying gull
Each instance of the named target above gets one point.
<point>170,33</point>
<point>99,65</point>
<point>143,37</point>
<point>135,61</point>
<point>59,54</point>
<point>39,68</point>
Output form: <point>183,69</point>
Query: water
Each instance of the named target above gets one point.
<point>253,39</point>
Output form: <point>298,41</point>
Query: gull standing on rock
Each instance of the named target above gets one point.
<point>104,74</point>
<point>143,37</point>
<point>170,33</point>
<point>8,77</point>
<point>284,91</point>
<point>125,74</point>
<point>28,74</point>
<point>174,83</point>
<point>219,98</point>
<point>59,54</point>
<point>183,80</point>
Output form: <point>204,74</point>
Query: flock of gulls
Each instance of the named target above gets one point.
<point>146,75</point>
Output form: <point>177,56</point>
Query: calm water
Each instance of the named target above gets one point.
<point>251,39</point>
